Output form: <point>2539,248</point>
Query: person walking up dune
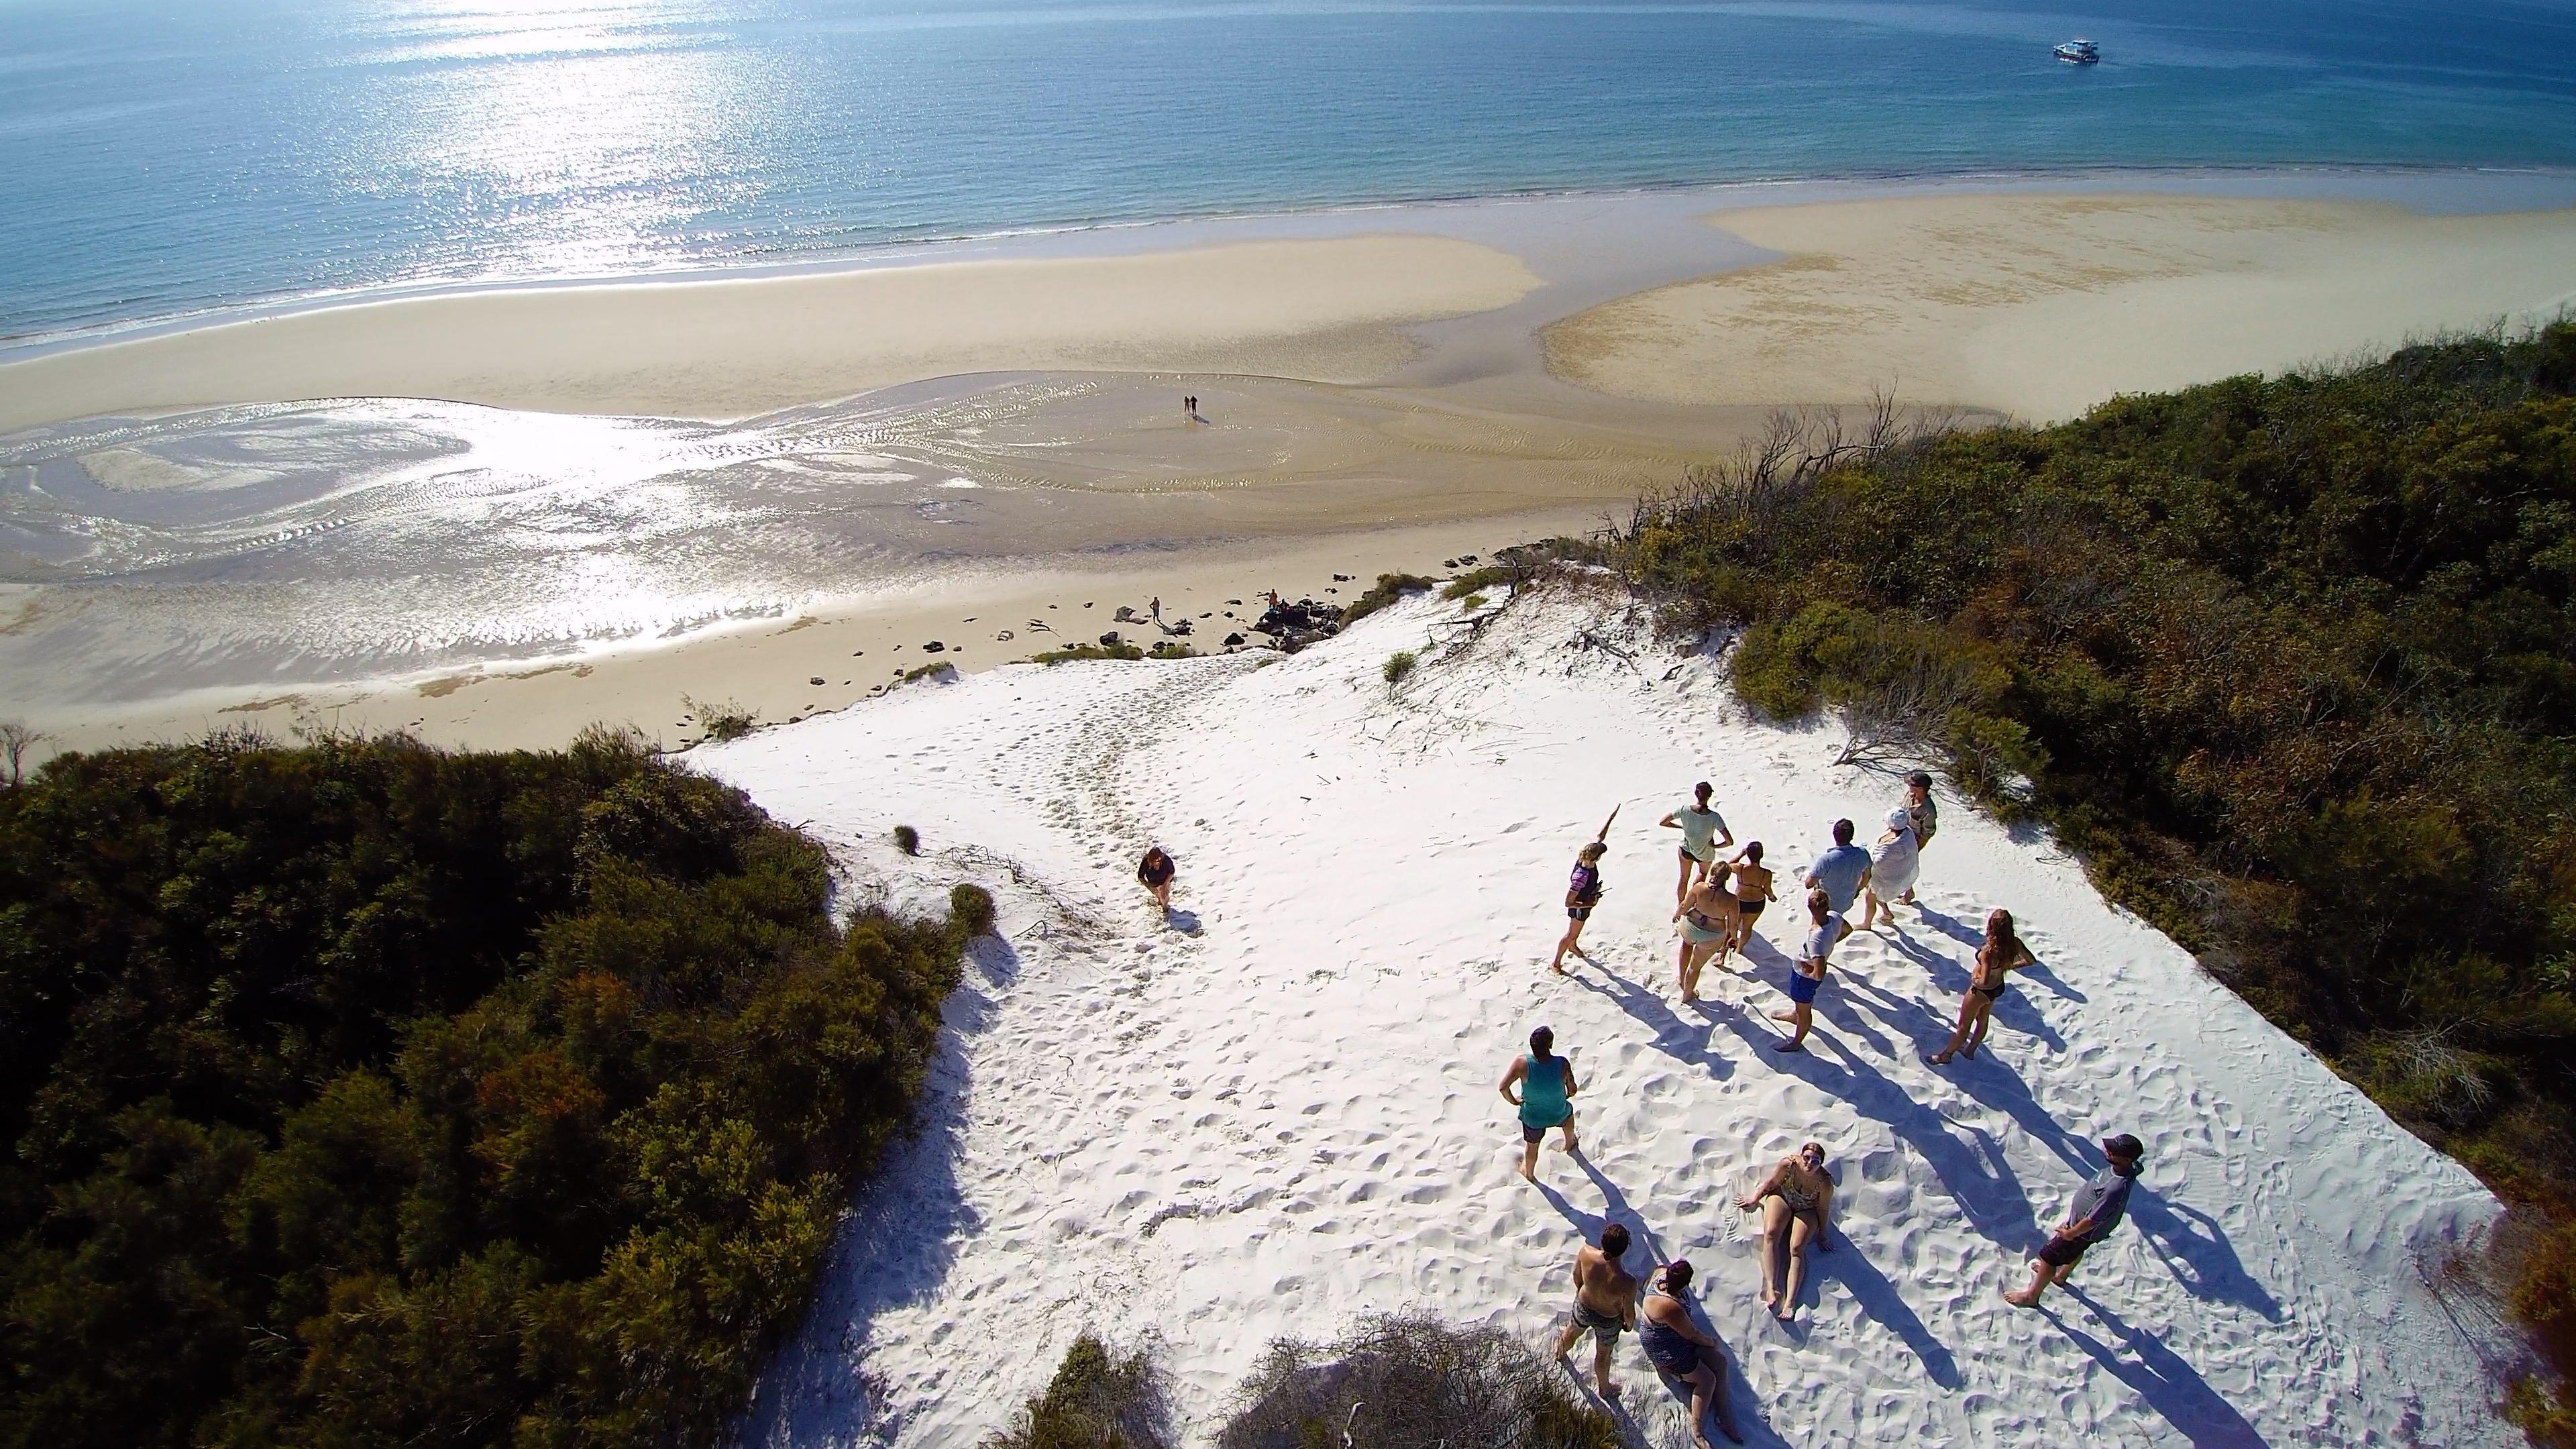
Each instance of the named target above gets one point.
<point>1708,918</point>
<point>1808,974</point>
<point>1893,864</point>
<point>1797,1203</point>
<point>1704,834</point>
<point>1753,891</point>
<point>1842,872</point>
<point>1675,1346</point>
<point>1546,1098</point>
<point>1605,1304</point>
<point>2099,1206</point>
<point>2001,953</point>
<point>1155,874</point>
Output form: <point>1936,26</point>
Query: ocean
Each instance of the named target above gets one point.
<point>162,159</point>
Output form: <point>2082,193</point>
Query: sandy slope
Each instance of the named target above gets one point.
<point>1282,1114</point>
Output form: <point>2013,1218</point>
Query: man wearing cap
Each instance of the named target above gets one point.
<point>1925,815</point>
<point>2099,1206</point>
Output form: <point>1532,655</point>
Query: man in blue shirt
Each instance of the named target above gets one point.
<point>1840,873</point>
<point>2099,1205</point>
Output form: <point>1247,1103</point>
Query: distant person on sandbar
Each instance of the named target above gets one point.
<point>1893,864</point>
<point>1926,816</point>
<point>2099,1205</point>
<point>1583,890</point>
<point>1675,1346</point>
<point>1797,1203</point>
<point>1808,973</point>
<point>1546,1097</point>
<point>1704,833</point>
<point>1605,1304</point>
<point>1155,874</point>
<point>1753,891</point>
<point>1841,872</point>
<point>1708,915</point>
<point>2002,952</point>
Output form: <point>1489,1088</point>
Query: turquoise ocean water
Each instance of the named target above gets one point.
<point>161,158</point>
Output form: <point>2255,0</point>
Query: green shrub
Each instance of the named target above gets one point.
<point>367,1093</point>
<point>1095,1401</point>
<point>1387,589</point>
<point>1412,1382</point>
<point>1475,581</point>
<point>1172,649</point>
<point>727,721</point>
<point>1399,666</point>
<point>1088,651</point>
<point>970,909</point>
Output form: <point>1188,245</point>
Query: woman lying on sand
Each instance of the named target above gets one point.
<point>1709,918</point>
<point>1797,1200</point>
<point>1676,1347</point>
<point>2002,952</point>
<point>1546,1097</point>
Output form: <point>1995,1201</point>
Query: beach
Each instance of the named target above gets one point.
<point>498,515</point>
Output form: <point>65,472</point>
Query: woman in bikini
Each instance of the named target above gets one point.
<point>1752,892</point>
<point>1708,920</point>
<point>1797,1203</point>
<point>1676,1347</point>
<point>2001,954</point>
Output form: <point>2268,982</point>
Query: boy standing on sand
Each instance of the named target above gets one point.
<point>1808,974</point>
<point>1605,1304</point>
<point>2099,1206</point>
<point>1704,834</point>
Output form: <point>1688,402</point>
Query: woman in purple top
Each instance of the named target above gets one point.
<point>1582,892</point>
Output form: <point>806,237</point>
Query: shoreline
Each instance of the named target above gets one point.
<point>1101,236</point>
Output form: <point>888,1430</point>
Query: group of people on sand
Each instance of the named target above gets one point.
<point>1717,899</point>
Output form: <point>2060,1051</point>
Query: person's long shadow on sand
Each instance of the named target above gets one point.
<point>1975,1175</point>
<point>896,1248</point>
<point>2011,1012</point>
<point>2170,1386</point>
<point>1879,1299</point>
<point>1676,1036</point>
<point>1772,968</point>
<point>1974,936</point>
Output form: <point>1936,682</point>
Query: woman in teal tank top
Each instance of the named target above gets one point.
<point>1547,1087</point>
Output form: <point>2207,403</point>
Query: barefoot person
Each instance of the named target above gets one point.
<point>1925,814</point>
<point>1893,864</point>
<point>1546,1097</point>
<point>2099,1206</point>
<point>1582,892</point>
<point>1825,928</point>
<point>1605,1304</point>
<point>1675,1346</point>
<point>2001,953</point>
<point>1708,918</point>
<point>1704,834</point>
<point>1797,1203</point>
<point>1155,873</point>
<point>1842,872</point>
<point>1753,891</point>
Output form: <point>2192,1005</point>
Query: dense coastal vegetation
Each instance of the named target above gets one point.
<point>363,1093</point>
<point>2290,663</point>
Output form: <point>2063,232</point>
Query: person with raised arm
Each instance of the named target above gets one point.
<point>1582,892</point>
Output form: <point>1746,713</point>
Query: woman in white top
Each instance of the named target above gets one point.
<point>1893,864</point>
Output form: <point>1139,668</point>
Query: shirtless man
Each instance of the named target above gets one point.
<point>1704,834</point>
<point>1605,1304</point>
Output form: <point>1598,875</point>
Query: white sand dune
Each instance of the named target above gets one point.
<point>1282,1114</point>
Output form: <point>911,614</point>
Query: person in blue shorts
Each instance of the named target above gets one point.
<point>1825,929</point>
<point>1546,1097</point>
<point>2099,1205</point>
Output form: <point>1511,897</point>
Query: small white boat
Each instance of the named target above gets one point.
<point>2080,52</point>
